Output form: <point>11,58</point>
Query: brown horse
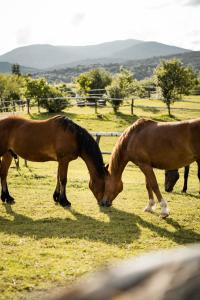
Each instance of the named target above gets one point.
<point>150,144</point>
<point>56,139</point>
<point>172,176</point>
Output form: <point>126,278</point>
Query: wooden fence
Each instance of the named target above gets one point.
<point>94,101</point>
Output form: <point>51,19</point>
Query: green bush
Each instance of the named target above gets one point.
<point>47,96</point>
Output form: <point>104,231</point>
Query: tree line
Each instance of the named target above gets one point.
<point>170,78</point>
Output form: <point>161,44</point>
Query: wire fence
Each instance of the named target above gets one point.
<point>95,100</point>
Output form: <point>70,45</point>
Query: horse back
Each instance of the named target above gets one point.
<point>164,145</point>
<point>40,140</point>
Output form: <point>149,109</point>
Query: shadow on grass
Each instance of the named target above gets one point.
<point>153,110</point>
<point>46,115</point>
<point>122,228</point>
<point>129,119</point>
<point>166,118</point>
<point>196,196</point>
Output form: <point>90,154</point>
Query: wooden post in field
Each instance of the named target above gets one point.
<point>132,106</point>
<point>98,139</point>
<point>38,102</point>
<point>28,106</point>
<point>95,105</point>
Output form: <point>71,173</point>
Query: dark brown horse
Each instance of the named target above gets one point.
<point>150,144</point>
<point>56,139</point>
<point>172,176</point>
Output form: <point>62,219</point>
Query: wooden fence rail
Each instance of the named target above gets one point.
<point>98,136</point>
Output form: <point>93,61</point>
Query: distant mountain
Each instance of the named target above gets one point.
<point>6,67</point>
<point>142,68</point>
<point>147,50</point>
<point>48,56</point>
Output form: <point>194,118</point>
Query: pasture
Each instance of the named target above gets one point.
<point>44,246</point>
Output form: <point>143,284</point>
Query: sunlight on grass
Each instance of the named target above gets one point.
<point>43,245</point>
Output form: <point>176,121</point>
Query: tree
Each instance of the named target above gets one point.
<point>115,95</point>
<point>93,80</point>
<point>174,80</point>
<point>16,69</point>
<point>11,89</point>
<point>120,88</point>
<point>48,96</point>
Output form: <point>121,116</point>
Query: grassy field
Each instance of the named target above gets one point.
<point>44,246</point>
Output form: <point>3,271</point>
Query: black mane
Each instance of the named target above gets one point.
<point>87,144</point>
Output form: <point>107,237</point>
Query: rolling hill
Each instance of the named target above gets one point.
<point>142,68</point>
<point>57,57</point>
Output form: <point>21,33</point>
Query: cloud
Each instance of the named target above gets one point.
<point>192,2</point>
<point>77,19</point>
<point>23,35</point>
<point>196,42</point>
<point>159,5</point>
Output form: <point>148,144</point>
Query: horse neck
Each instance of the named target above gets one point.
<point>118,161</point>
<point>91,166</point>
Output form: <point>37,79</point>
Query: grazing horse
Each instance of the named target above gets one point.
<point>150,144</point>
<point>55,139</point>
<point>172,176</point>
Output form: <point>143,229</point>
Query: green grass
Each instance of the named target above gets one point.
<point>43,245</point>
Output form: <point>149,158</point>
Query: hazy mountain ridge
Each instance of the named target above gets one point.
<point>141,68</point>
<point>139,51</point>
<point>48,56</point>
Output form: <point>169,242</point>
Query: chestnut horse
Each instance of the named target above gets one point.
<point>172,176</point>
<point>56,139</point>
<point>150,144</point>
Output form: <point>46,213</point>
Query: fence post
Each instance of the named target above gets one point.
<point>38,102</point>
<point>95,105</point>
<point>98,139</point>
<point>132,106</point>
<point>28,106</point>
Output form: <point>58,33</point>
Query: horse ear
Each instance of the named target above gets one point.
<point>106,166</point>
<point>106,169</point>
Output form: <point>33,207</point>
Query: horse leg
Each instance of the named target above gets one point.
<point>150,175</point>
<point>5,164</point>
<point>186,173</point>
<point>198,173</point>
<point>56,193</point>
<point>151,203</point>
<point>62,170</point>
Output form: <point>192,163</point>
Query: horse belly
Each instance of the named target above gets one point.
<point>38,154</point>
<point>171,162</point>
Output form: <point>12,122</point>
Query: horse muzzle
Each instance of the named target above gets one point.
<point>105,202</point>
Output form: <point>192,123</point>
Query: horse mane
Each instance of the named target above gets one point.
<point>118,151</point>
<point>120,147</point>
<point>86,143</point>
<point>140,124</point>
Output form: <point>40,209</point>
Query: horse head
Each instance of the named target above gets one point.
<point>97,186</point>
<point>171,178</point>
<point>113,186</point>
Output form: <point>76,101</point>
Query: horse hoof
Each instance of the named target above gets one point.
<point>148,209</point>
<point>10,201</point>
<point>66,205</point>
<point>164,216</point>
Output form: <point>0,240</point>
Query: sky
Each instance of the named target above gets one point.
<point>86,22</point>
